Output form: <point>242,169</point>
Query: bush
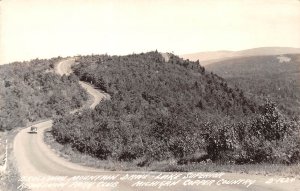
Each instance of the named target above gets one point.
<point>269,137</point>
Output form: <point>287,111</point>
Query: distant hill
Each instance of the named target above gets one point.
<point>276,76</point>
<point>206,58</point>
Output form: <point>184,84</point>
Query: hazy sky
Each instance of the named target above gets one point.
<point>49,28</point>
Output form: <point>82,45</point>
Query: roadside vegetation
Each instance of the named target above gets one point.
<point>169,165</point>
<point>31,91</point>
<point>10,178</point>
<point>174,111</point>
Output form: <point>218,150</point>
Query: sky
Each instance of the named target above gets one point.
<point>50,28</point>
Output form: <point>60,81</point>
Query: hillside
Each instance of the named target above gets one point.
<point>171,109</point>
<point>207,58</point>
<point>30,91</point>
<point>276,77</point>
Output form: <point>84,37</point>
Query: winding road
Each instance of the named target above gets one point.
<point>42,169</point>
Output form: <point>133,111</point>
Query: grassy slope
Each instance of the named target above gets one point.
<point>262,76</point>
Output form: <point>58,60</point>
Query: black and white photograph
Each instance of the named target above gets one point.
<point>149,95</point>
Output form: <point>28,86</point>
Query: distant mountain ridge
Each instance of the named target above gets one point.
<point>214,56</point>
<point>273,76</point>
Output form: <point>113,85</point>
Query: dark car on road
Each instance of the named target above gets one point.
<point>33,129</point>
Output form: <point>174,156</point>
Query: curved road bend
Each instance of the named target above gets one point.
<point>35,158</point>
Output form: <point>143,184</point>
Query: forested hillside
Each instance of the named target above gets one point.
<point>276,77</point>
<point>30,91</point>
<point>160,110</point>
